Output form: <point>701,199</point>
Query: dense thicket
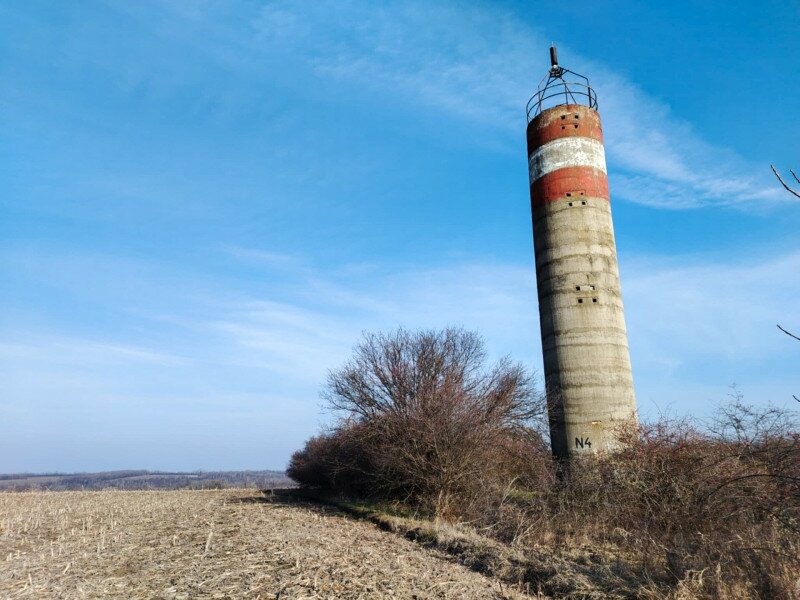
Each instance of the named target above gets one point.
<point>693,509</point>
<point>424,419</point>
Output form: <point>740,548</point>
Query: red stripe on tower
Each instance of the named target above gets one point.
<point>569,184</point>
<point>572,121</point>
<point>566,155</point>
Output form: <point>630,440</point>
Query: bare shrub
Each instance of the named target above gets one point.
<point>432,423</point>
<point>336,460</point>
<point>684,508</point>
<point>704,510</point>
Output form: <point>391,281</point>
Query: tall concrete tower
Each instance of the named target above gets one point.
<point>587,365</point>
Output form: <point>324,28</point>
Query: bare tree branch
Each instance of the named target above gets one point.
<point>790,334</point>
<point>783,183</point>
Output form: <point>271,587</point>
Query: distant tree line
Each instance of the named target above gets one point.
<point>141,480</point>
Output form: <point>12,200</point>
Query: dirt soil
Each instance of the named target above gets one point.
<point>212,544</point>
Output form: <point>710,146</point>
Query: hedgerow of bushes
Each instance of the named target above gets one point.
<point>690,509</point>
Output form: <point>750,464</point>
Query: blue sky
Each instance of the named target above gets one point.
<point>205,203</point>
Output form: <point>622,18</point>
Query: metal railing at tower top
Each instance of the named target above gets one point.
<point>560,86</point>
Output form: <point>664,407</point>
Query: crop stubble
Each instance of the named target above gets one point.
<point>211,544</point>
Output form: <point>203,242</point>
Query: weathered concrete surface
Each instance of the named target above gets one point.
<point>584,341</point>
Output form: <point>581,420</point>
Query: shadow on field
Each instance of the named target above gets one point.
<point>327,506</point>
<point>583,573</point>
<point>297,497</point>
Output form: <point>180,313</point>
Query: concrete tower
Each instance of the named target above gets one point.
<point>584,342</point>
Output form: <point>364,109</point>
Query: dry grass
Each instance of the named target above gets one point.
<point>685,509</point>
<point>581,572</point>
<point>211,544</point>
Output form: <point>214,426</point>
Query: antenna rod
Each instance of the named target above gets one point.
<point>553,56</point>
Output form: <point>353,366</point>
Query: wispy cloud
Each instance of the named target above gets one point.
<point>695,328</point>
<point>480,65</point>
<point>314,319</point>
<point>62,350</point>
<point>679,313</point>
<point>661,161</point>
<point>274,259</point>
<point>712,311</point>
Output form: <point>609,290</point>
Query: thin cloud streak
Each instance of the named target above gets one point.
<point>309,320</point>
<point>677,313</point>
<point>694,330</point>
<point>724,312</point>
<point>86,352</point>
<point>478,65</point>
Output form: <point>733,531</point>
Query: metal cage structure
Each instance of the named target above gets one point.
<point>560,86</point>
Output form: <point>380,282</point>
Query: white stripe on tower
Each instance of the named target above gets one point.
<point>566,152</point>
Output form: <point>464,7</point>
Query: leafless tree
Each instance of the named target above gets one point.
<point>789,333</point>
<point>796,193</point>
<point>784,184</point>
<point>437,417</point>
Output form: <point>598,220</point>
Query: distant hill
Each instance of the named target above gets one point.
<point>144,480</point>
